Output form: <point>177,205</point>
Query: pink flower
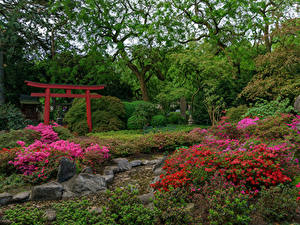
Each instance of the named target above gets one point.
<point>21,143</point>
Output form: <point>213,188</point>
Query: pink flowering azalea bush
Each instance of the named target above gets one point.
<point>244,123</point>
<point>47,133</point>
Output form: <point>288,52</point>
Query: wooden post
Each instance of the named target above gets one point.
<point>1,79</point>
<point>47,106</point>
<point>88,110</point>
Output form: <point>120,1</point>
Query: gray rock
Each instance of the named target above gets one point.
<point>21,197</point>
<point>49,191</point>
<point>50,214</point>
<point>5,198</point>
<point>87,170</point>
<point>66,170</point>
<point>5,222</point>
<point>297,104</point>
<point>159,171</point>
<point>110,170</point>
<point>146,198</point>
<point>108,178</point>
<point>160,162</point>
<point>123,164</point>
<point>86,183</point>
<point>68,194</point>
<point>149,162</point>
<point>135,163</point>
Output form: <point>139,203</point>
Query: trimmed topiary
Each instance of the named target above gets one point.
<point>63,133</point>
<point>9,139</point>
<point>108,113</point>
<point>136,122</point>
<point>159,121</point>
<point>235,114</point>
<point>11,118</point>
<point>176,118</point>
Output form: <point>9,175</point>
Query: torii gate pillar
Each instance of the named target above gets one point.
<point>68,94</point>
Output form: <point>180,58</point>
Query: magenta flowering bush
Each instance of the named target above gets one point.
<point>36,157</point>
<point>47,133</point>
<point>244,123</point>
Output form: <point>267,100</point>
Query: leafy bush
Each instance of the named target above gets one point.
<point>172,207</point>
<point>228,206</point>
<point>277,204</point>
<point>11,182</point>
<point>176,118</point>
<point>130,108</point>
<point>145,109</point>
<point>7,155</point>
<point>263,108</point>
<point>159,121</point>
<point>108,113</point>
<point>235,114</point>
<point>22,215</point>
<point>11,118</point>
<point>136,122</point>
<point>63,133</point>
<point>9,139</point>
<point>125,208</point>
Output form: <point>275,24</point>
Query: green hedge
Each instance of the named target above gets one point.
<point>176,118</point>
<point>159,121</point>
<point>108,113</point>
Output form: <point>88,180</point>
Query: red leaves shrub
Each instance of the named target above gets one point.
<point>259,166</point>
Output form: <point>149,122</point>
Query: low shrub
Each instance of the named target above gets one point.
<point>11,182</point>
<point>235,114</point>
<point>11,118</point>
<point>176,118</point>
<point>145,109</point>
<point>263,108</point>
<point>277,204</point>
<point>9,139</point>
<point>63,133</point>
<point>7,155</point>
<point>130,108</point>
<point>108,113</point>
<point>159,121</point>
<point>136,122</point>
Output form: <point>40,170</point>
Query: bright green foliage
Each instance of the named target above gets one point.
<point>21,215</point>
<point>125,208</point>
<point>107,114</point>
<point>129,108</point>
<point>229,207</point>
<point>176,118</point>
<point>63,133</point>
<point>11,182</point>
<point>172,207</point>
<point>11,118</point>
<point>136,122</point>
<point>277,204</point>
<point>159,121</point>
<point>8,140</point>
<point>263,108</point>
<point>235,114</point>
<point>145,109</point>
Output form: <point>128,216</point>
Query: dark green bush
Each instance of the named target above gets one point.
<point>108,113</point>
<point>235,114</point>
<point>145,109</point>
<point>176,118</point>
<point>9,139</point>
<point>136,122</point>
<point>129,108</point>
<point>11,118</point>
<point>63,133</point>
<point>6,168</point>
<point>159,121</point>
<point>277,204</point>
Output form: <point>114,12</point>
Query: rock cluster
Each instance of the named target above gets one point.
<point>69,184</point>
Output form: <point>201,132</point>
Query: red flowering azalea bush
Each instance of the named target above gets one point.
<point>258,166</point>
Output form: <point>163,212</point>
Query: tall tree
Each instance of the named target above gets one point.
<point>124,29</point>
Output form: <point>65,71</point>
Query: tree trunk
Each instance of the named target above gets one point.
<point>183,107</point>
<point>267,38</point>
<point>143,88</point>
<point>1,78</point>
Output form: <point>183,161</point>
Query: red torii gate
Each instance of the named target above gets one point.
<point>68,94</point>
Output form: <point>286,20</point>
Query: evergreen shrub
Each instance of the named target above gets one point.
<point>108,113</point>
<point>176,118</point>
<point>11,118</point>
<point>235,114</point>
<point>159,121</point>
<point>136,122</point>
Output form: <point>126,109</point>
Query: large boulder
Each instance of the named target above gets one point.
<point>49,191</point>
<point>297,104</point>
<point>86,183</point>
<point>5,198</point>
<point>21,197</point>
<point>66,170</point>
<point>123,164</point>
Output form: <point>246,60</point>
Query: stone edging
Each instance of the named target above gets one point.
<point>81,184</point>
